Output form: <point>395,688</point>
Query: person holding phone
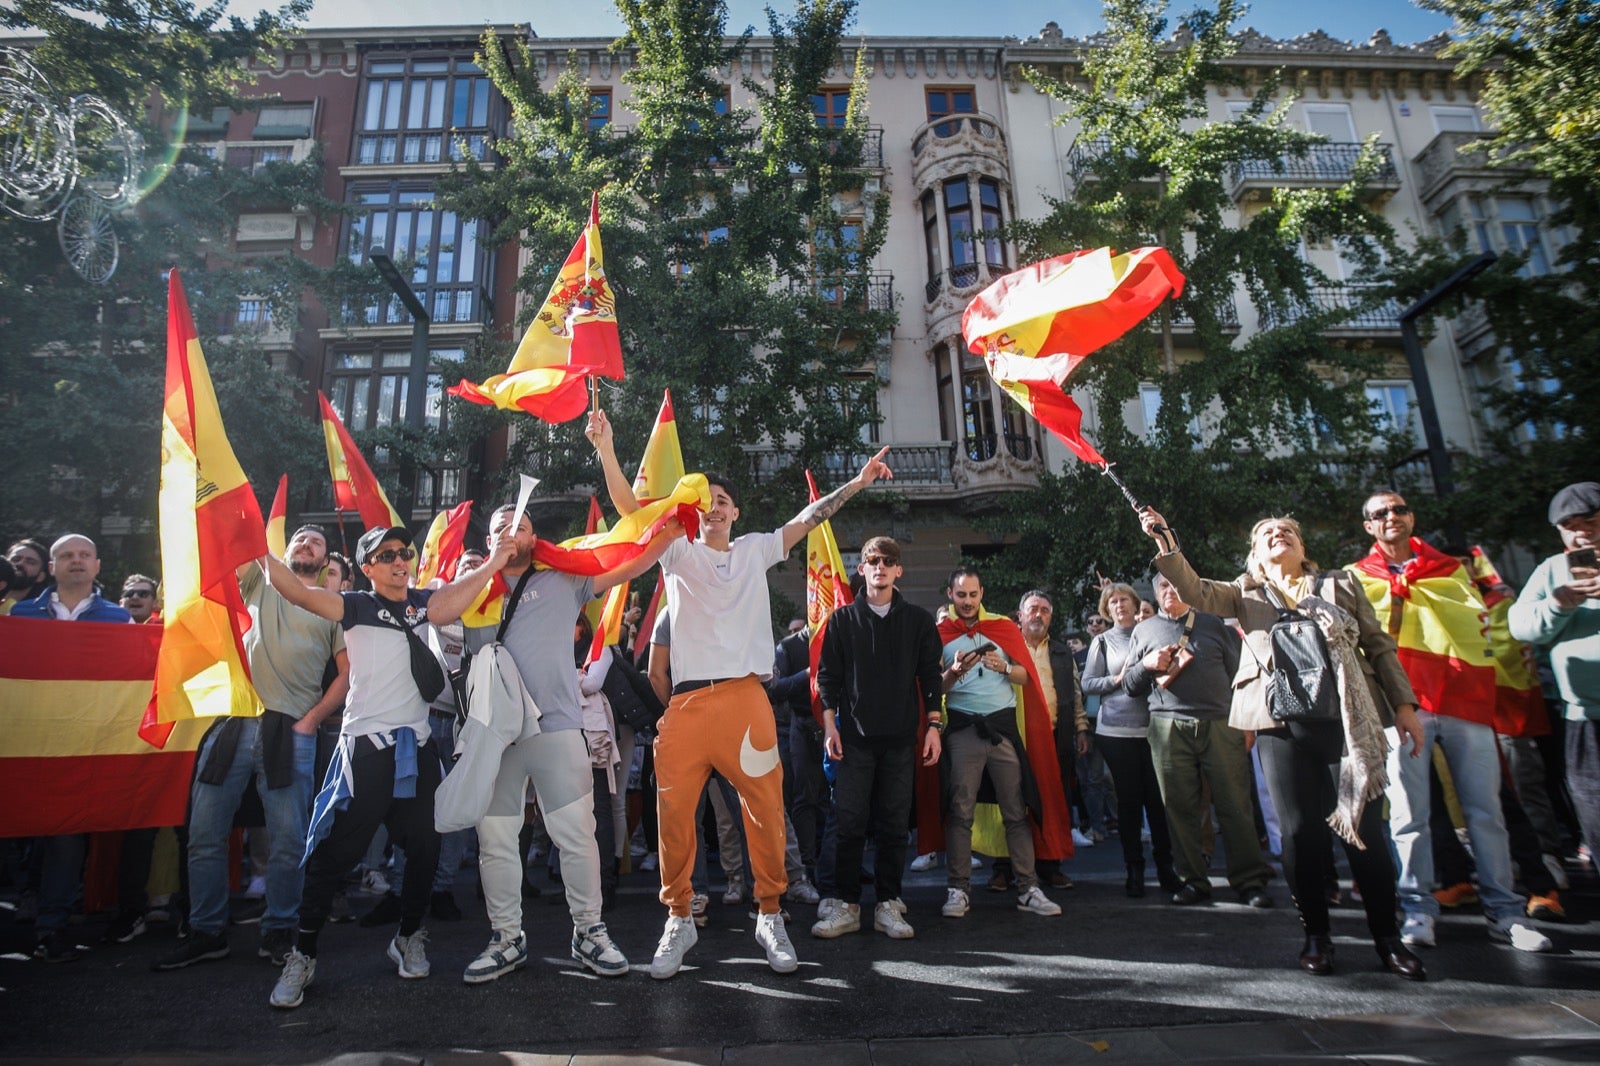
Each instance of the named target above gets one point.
<point>1559,608</point>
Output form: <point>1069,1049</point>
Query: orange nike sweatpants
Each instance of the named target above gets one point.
<point>727,727</point>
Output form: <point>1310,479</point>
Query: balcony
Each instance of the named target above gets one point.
<point>1410,474</point>
<point>917,466</point>
<point>871,148</point>
<point>1324,166</point>
<point>1361,314</point>
<point>1447,172</point>
<point>958,278</point>
<point>877,290</point>
<point>1083,157</point>
<point>958,144</point>
<point>255,155</point>
<point>1227,314</point>
<point>465,302</point>
<point>426,148</point>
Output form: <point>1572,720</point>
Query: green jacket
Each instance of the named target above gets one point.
<point>1573,636</point>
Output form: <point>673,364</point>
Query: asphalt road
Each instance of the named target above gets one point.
<point>1108,963</point>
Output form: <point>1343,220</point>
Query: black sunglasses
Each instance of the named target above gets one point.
<point>137,592</point>
<point>384,558</point>
<point>880,560</point>
<point>1399,510</point>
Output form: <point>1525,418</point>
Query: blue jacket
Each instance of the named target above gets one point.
<point>100,609</point>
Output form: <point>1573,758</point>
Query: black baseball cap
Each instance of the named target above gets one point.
<point>1574,501</point>
<point>375,536</point>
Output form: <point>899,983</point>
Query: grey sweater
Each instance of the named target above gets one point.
<point>1119,711</point>
<point>1204,690</point>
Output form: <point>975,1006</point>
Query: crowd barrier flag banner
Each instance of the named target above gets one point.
<point>355,486</point>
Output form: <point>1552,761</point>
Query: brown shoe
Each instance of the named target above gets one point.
<point>1060,880</point>
<point>999,881</point>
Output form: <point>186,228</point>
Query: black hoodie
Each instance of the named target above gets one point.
<point>872,670</point>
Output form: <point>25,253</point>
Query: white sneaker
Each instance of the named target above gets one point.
<point>649,863</point>
<point>1520,934</point>
<point>977,862</point>
<point>697,908</point>
<point>504,954</point>
<point>290,991</point>
<point>828,906</point>
<point>925,862</point>
<point>955,904</point>
<point>374,882</point>
<point>676,940</point>
<point>734,893</point>
<point>889,918</point>
<point>1081,839</point>
<point>1418,931</point>
<point>593,948</point>
<point>774,938</point>
<point>842,918</point>
<point>1557,871</point>
<point>256,889</point>
<point>803,892</point>
<point>1034,901</point>
<point>410,954</point>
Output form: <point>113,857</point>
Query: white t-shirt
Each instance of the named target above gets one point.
<point>721,616</point>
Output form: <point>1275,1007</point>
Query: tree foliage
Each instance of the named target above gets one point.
<point>718,222</point>
<point>1246,423</point>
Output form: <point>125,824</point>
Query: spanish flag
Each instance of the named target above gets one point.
<point>278,519</point>
<point>355,486</point>
<point>1438,619</point>
<point>72,759</point>
<point>444,545</point>
<point>662,465</point>
<point>827,588</point>
<point>573,337</point>
<point>210,526</point>
<point>1519,708</point>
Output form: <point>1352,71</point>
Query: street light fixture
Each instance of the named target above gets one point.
<point>416,379</point>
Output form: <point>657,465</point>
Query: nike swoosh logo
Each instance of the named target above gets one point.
<point>756,763</point>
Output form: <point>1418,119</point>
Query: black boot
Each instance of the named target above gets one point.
<point>1317,956</point>
<point>1134,886</point>
<point>1168,876</point>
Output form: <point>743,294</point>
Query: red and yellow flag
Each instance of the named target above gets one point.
<point>1519,708</point>
<point>210,526</point>
<point>594,523</point>
<point>662,464</point>
<point>1438,619</point>
<point>72,757</point>
<point>444,545</point>
<point>572,338</point>
<point>355,486</point>
<point>278,518</point>
<point>827,588</point>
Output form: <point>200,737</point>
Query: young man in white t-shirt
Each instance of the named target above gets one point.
<point>719,717</point>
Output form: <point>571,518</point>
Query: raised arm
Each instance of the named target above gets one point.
<point>448,603</point>
<point>647,558</point>
<point>318,601</point>
<point>617,485</point>
<point>814,514</point>
<point>1221,598</point>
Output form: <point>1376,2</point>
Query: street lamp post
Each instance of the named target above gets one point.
<point>416,379</point>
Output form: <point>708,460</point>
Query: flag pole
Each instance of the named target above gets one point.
<point>594,394</point>
<point>344,545</point>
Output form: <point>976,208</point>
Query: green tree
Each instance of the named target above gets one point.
<point>732,237</point>
<point>1542,101</point>
<point>1243,423</point>
<point>83,364</point>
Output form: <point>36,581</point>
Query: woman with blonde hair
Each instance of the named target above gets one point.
<point>1122,735</point>
<point>1297,756</point>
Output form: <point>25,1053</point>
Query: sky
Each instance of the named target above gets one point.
<point>1347,19</point>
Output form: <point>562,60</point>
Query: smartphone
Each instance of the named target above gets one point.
<point>1582,557</point>
<point>985,648</point>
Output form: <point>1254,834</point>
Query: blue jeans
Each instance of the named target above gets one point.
<point>61,878</point>
<point>211,812</point>
<point>1473,755</point>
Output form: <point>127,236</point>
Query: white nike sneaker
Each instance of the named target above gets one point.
<point>774,939</point>
<point>1035,901</point>
<point>889,918</point>
<point>955,904</point>
<point>290,991</point>
<point>925,862</point>
<point>676,940</point>
<point>410,954</point>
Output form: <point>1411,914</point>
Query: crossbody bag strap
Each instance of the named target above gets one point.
<point>1188,627</point>
<point>511,607</point>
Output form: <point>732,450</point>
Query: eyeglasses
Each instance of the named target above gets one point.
<point>1098,622</point>
<point>880,560</point>
<point>141,593</point>
<point>384,558</point>
<point>1399,510</point>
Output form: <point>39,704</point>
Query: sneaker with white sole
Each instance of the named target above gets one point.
<point>676,940</point>
<point>697,908</point>
<point>889,919</point>
<point>842,918</point>
<point>955,903</point>
<point>290,991</point>
<point>925,862</point>
<point>734,893</point>
<point>410,954</point>
<point>1417,931</point>
<point>1034,901</point>
<point>828,906</point>
<point>1520,934</point>
<point>774,939</point>
<point>504,954</point>
<point>374,882</point>
<point>803,892</point>
<point>1081,839</point>
<point>593,948</point>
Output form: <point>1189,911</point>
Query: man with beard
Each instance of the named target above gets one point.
<point>31,560</point>
<point>288,649</point>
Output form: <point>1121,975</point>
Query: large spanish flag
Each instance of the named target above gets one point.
<point>1519,708</point>
<point>210,526</point>
<point>355,486</point>
<point>72,760</point>
<point>573,337</point>
<point>444,545</point>
<point>1438,619</point>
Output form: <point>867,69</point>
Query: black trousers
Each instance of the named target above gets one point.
<point>1301,784</point>
<point>872,790</point>
<point>808,807</point>
<point>1133,772</point>
<point>410,825</point>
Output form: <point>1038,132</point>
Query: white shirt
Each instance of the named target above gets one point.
<point>717,600</point>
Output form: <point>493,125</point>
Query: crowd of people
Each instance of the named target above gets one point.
<point>398,742</point>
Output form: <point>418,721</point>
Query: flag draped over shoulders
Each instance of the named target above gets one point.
<point>1438,619</point>
<point>1519,709</point>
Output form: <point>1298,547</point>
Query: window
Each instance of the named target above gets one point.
<point>599,109</point>
<point>991,220</point>
<point>1390,402</point>
<point>930,234</point>
<point>447,267</point>
<point>708,409</point>
<point>254,314</point>
<point>950,101</point>
<point>831,262</point>
<point>423,111</point>
<point>977,408</point>
<point>369,388</point>
<point>1454,119</point>
<point>947,416</point>
<point>1150,407</point>
<point>831,106</point>
<point>682,268</point>
<point>1511,224</point>
<point>284,122</point>
<point>958,230</point>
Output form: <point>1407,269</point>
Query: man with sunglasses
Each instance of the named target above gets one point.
<point>878,679</point>
<point>139,598</point>
<point>1432,609</point>
<point>386,768</point>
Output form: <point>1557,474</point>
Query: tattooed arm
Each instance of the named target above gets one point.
<point>819,512</point>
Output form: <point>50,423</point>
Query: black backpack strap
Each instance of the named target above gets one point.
<point>511,607</point>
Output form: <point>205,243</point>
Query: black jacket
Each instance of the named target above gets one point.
<point>632,700</point>
<point>790,687</point>
<point>873,670</point>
